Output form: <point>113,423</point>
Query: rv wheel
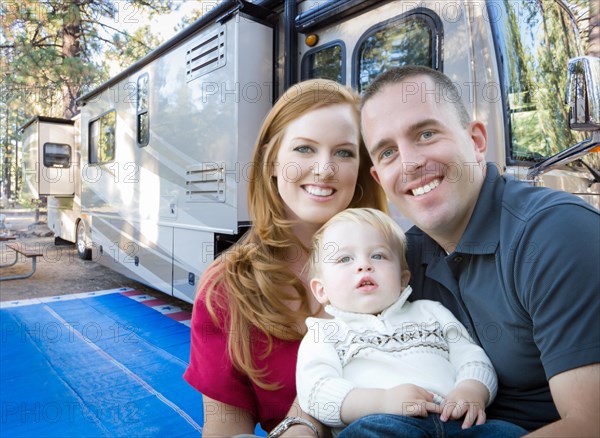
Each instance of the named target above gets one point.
<point>83,251</point>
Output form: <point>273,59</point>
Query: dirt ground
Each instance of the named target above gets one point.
<point>60,271</point>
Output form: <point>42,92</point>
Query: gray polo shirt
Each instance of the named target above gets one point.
<point>525,281</point>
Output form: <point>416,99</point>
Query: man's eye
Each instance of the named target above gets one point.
<point>387,153</point>
<point>427,135</point>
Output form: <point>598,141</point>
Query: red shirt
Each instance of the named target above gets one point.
<point>211,372</point>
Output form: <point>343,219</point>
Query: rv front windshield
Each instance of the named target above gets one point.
<point>536,41</point>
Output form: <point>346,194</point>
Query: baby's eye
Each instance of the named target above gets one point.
<point>378,256</point>
<point>344,259</point>
<point>303,149</point>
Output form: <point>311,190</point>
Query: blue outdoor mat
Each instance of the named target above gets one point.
<point>100,365</point>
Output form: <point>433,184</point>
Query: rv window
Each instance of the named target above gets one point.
<point>57,155</point>
<point>142,118</point>
<point>407,40</point>
<point>536,40</point>
<point>326,62</point>
<point>102,138</point>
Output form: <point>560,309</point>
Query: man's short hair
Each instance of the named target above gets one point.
<point>444,86</point>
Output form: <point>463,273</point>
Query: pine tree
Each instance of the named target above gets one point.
<point>52,51</point>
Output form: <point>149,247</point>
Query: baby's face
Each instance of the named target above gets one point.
<point>359,271</point>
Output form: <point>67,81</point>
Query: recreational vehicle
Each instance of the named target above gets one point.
<point>151,177</point>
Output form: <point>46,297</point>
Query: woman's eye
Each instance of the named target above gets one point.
<point>303,149</point>
<point>345,153</point>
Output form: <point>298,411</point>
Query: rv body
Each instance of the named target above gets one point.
<point>163,150</point>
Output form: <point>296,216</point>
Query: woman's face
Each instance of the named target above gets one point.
<point>317,163</point>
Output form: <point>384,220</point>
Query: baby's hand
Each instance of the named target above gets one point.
<point>468,399</point>
<point>410,400</point>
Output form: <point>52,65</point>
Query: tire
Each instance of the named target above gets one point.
<point>83,251</point>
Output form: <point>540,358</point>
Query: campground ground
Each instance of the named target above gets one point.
<point>59,271</point>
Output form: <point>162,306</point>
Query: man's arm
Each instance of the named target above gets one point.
<point>576,394</point>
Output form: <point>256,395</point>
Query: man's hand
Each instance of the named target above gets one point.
<point>467,399</point>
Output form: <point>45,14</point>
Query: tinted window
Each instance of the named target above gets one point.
<point>325,63</point>
<point>536,40</point>
<point>102,138</point>
<point>407,40</point>
<point>142,117</point>
<point>57,155</point>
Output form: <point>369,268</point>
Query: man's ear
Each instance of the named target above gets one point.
<point>316,286</point>
<point>478,134</point>
<point>374,175</point>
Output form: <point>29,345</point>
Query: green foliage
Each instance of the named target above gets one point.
<point>53,51</point>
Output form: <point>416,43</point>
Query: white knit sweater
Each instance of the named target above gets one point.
<point>420,343</point>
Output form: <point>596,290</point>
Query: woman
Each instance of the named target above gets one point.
<point>248,319</point>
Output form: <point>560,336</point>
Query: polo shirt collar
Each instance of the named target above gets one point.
<point>482,235</point>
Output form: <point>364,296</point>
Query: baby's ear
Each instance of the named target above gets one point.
<point>404,278</point>
<point>316,286</point>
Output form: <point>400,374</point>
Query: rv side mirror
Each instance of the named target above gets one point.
<point>583,93</point>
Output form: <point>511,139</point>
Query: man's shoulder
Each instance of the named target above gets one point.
<point>525,201</point>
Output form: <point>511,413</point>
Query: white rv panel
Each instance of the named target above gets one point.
<point>206,99</point>
<point>49,149</point>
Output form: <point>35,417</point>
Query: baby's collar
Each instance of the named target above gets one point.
<point>354,316</point>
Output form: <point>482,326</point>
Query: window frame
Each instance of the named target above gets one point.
<point>500,49</point>
<point>93,152</point>
<point>45,155</point>
<point>304,70</point>
<point>140,112</point>
<point>428,15</point>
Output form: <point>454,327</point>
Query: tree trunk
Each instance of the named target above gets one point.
<point>71,48</point>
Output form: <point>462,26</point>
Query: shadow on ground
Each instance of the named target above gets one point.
<point>59,271</point>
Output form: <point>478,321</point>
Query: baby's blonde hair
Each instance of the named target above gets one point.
<point>377,219</point>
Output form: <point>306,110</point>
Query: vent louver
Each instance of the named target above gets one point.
<point>205,182</point>
<point>206,54</point>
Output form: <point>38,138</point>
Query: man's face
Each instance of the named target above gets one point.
<point>428,164</point>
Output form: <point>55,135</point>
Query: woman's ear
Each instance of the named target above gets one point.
<point>316,286</point>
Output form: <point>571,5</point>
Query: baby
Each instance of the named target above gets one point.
<point>381,354</point>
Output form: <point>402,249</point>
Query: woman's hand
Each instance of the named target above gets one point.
<point>299,430</point>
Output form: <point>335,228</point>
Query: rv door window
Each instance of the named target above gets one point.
<point>405,40</point>
<point>57,155</point>
<point>102,138</point>
<point>325,62</point>
<point>142,118</point>
<point>535,41</point>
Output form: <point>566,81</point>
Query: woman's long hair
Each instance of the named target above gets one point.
<point>247,283</point>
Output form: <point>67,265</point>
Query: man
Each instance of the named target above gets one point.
<point>518,265</point>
